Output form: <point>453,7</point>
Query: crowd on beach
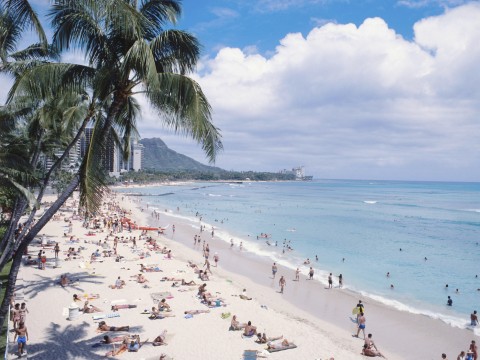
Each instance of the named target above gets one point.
<point>114,228</point>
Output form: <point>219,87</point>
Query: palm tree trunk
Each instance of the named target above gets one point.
<point>17,259</point>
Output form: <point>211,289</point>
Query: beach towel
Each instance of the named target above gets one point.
<point>225,315</point>
<point>119,301</point>
<point>291,346</point>
<point>156,297</point>
<point>249,354</point>
<point>105,316</point>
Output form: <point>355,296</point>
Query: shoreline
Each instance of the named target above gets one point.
<point>391,327</point>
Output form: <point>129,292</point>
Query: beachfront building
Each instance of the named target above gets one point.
<point>112,160</point>
<point>299,173</point>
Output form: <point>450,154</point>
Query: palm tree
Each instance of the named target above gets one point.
<point>130,53</point>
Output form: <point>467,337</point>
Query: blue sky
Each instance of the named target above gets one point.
<point>359,89</point>
<point>246,23</point>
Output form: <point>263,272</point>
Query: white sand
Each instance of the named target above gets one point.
<point>205,336</point>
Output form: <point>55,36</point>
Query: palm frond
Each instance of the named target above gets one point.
<point>158,12</point>
<point>187,111</point>
<point>24,14</point>
<point>175,51</point>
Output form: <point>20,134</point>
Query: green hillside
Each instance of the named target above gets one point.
<point>157,156</point>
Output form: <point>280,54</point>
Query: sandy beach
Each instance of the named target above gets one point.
<point>317,320</point>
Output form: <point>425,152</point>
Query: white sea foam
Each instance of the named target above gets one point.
<point>214,195</point>
<point>369,201</point>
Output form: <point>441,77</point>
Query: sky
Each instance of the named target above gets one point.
<point>351,89</point>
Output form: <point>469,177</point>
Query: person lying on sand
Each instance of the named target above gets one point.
<point>123,306</point>
<point>160,339</point>
<point>123,339</point>
<point>65,281</point>
<point>188,283</point>
<point>133,346</point>
<point>144,268</point>
<point>166,278</point>
<point>235,324</point>
<point>212,303</point>
<point>140,278</point>
<point>88,309</point>
<point>102,326</point>
<point>196,312</point>
<point>156,314</point>
<point>263,339</point>
<point>278,344</point>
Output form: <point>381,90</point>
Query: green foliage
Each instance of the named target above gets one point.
<point>149,176</point>
<point>61,179</point>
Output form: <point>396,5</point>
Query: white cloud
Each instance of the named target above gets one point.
<point>357,102</point>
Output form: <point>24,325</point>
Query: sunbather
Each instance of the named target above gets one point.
<point>196,312</point>
<point>163,305</point>
<point>371,352</point>
<point>236,325</point>
<point>119,284</point>
<point>160,339</point>
<point>156,314</point>
<point>263,339</point>
<point>278,344</point>
<point>89,309</point>
<point>250,330</point>
<point>102,326</point>
<point>123,306</point>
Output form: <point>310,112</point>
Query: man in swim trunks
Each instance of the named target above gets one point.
<point>102,326</point>
<point>310,273</point>
<point>474,318</point>
<point>274,270</point>
<point>361,325</point>
<point>330,281</point>
<point>282,284</point>
<point>21,335</point>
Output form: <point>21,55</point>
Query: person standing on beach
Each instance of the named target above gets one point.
<point>361,325</point>
<point>57,250</point>
<point>297,274</point>
<point>310,273</point>
<point>274,270</point>
<point>330,281</point>
<point>340,280</point>
<point>473,349</point>
<point>22,334</point>
<point>282,283</point>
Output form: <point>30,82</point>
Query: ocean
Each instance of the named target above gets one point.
<point>424,234</point>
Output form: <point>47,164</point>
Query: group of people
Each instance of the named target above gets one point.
<point>18,315</point>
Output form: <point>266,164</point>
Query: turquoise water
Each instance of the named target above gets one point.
<point>364,222</point>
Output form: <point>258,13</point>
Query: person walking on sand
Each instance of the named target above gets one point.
<point>274,269</point>
<point>216,258</point>
<point>361,325</point>
<point>21,335</point>
<point>310,273</point>
<point>282,283</point>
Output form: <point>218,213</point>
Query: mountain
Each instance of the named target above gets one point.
<point>157,156</point>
